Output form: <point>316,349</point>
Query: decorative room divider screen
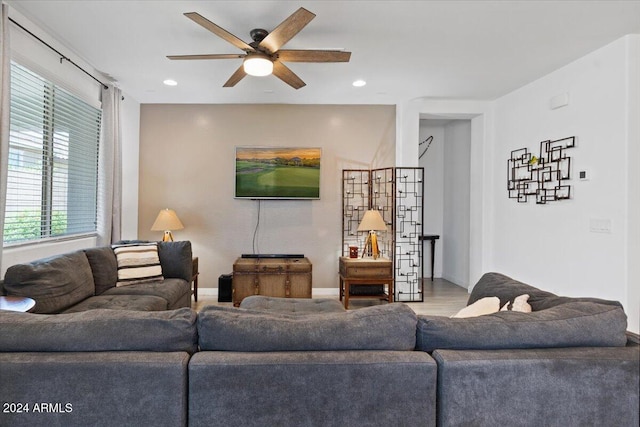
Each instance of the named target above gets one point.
<point>398,193</point>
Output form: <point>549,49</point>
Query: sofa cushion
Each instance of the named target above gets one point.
<point>138,263</point>
<point>99,330</point>
<point>55,283</point>
<point>292,305</point>
<point>176,259</point>
<point>120,302</point>
<point>574,324</point>
<point>385,327</point>
<point>172,290</point>
<point>104,267</point>
<point>507,289</point>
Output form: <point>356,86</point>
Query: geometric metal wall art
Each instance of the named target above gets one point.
<point>544,176</point>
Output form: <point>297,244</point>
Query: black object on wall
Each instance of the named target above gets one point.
<point>543,177</point>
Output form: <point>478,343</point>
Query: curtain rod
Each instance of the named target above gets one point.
<point>58,52</point>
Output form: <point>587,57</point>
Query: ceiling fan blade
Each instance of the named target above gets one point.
<point>314,56</point>
<point>218,31</point>
<point>235,77</point>
<point>286,75</point>
<point>287,29</point>
<point>208,56</point>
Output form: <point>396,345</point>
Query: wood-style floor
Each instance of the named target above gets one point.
<point>441,298</point>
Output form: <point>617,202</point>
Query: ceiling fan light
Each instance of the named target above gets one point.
<point>258,65</point>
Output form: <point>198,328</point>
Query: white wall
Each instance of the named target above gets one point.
<point>551,246</point>
<point>633,181</point>
<point>456,202</point>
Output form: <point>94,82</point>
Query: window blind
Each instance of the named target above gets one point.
<point>53,161</point>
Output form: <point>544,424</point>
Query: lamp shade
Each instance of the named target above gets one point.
<point>372,220</point>
<point>167,220</point>
<point>258,64</point>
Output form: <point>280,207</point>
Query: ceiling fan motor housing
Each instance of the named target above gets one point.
<point>258,34</point>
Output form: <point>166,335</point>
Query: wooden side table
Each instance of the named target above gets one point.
<point>194,278</point>
<point>13,303</point>
<point>365,271</point>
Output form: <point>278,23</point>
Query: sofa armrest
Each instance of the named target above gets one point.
<point>565,386</point>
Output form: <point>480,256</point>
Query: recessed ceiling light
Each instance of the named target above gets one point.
<point>359,83</point>
<point>170,82</point>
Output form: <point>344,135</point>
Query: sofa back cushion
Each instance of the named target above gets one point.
<point>507,289</point>
<point>55,283</point>
<point>386,327</point>
<point>176,259</point>
<point>573,324</point>
<point>100,330</point>
<point>104,267</point>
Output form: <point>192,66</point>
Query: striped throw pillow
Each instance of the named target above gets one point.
<point>138,263</point>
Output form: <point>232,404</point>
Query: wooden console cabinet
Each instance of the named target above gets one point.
<point>274,277</point>
<point>365,271</point>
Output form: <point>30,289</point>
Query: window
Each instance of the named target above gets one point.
<point>52,182</point>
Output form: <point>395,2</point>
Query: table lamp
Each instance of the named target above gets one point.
<point>166,221</point>
<point>372,221</point>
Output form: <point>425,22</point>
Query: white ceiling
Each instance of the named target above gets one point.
<point>403,49</point>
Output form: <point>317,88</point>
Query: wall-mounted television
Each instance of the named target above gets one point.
<point>277,173</point>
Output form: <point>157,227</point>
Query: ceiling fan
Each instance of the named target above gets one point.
<point>263,56</point>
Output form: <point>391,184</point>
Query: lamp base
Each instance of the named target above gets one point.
<point>168,237</point>
<point>371,246</point>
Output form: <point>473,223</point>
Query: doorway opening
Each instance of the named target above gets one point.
<point>445,154</point>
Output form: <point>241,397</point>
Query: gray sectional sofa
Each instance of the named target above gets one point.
<point>569,362</point>
<point>281,363</point>
<point>86,279</point>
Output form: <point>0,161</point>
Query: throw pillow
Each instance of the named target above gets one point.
<point>483,306</point>
<point>521,304</point>
<point>138,263</point>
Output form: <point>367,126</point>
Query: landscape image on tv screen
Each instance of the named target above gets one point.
<point>277,173</point>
